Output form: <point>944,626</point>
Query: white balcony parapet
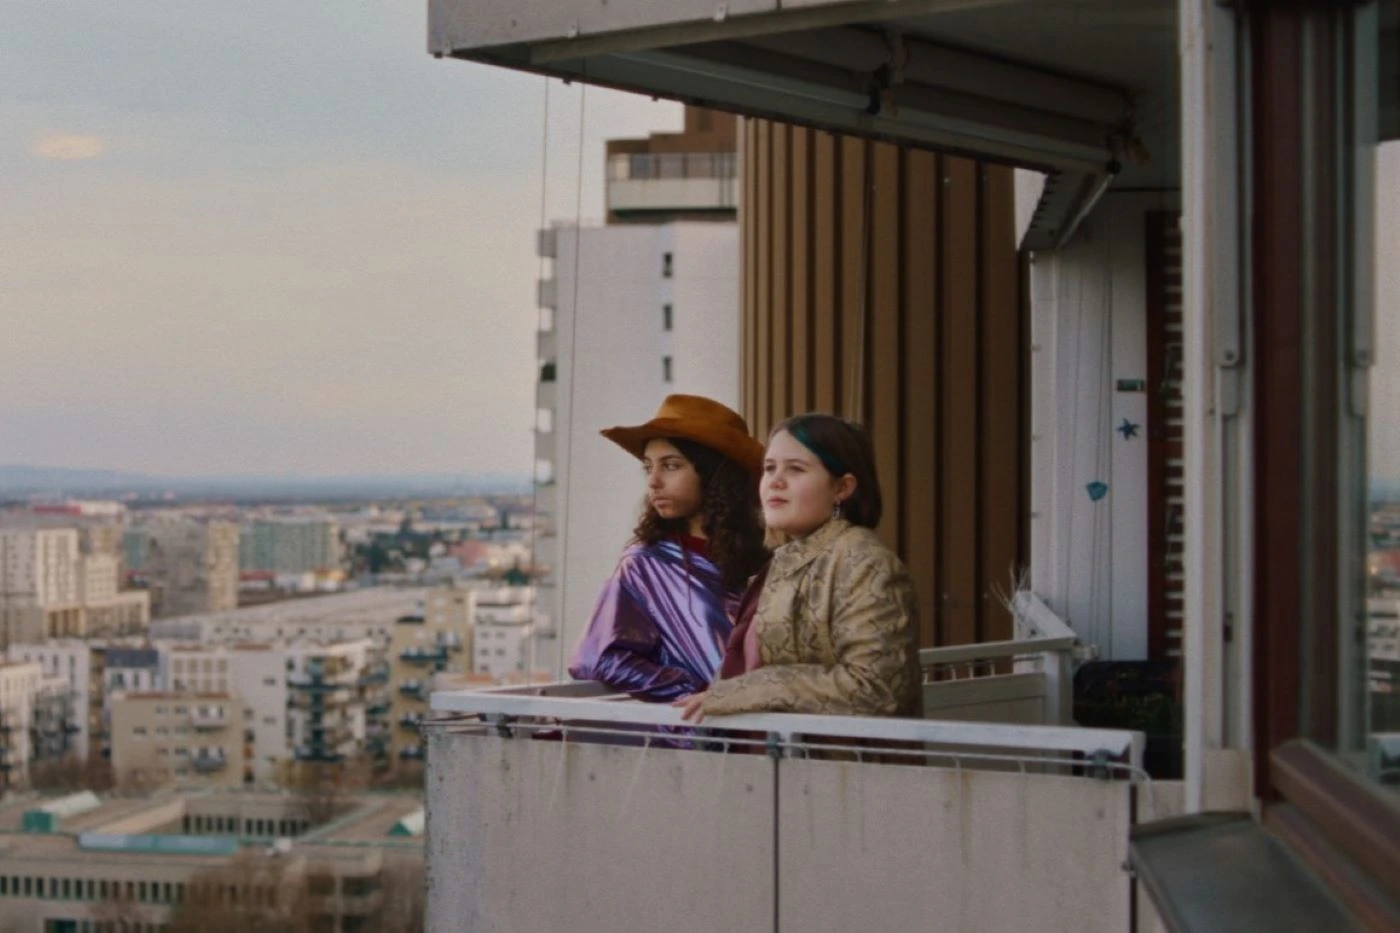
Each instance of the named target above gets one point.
<point>559,704</point>
<point>1027,828</point>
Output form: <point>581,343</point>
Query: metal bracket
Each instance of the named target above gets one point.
<point>773,746</point>
<point>1098,764</point>
<point>501,723</point>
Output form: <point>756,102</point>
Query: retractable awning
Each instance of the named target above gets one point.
<point>1078,89</point>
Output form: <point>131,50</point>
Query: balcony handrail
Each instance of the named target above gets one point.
<point>501,707</point>
<point>672,166</point>
<point>993,650</point>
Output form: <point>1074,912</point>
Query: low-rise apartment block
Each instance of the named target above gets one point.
<point>192,738</point>
<point>67,666</point>
<point>74,863</point>
<point>367,613</point>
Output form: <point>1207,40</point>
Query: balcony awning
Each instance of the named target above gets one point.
<point>1052,85</point>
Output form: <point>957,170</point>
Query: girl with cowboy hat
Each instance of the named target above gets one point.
<point>664,616</point>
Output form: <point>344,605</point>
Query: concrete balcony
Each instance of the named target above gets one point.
<point>418,656</point>
<point>980,814</point>
<point>208,764</point>
<point>207,722</point>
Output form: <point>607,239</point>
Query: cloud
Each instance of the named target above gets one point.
<point>68,147</point>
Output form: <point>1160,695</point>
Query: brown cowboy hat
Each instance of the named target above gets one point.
<point>698,419</point>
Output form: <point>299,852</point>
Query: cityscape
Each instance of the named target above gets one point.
<point>192,679</point>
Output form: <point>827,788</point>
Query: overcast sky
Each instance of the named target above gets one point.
<point>271,237</point>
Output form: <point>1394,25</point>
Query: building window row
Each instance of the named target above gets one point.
<point>92,889</point>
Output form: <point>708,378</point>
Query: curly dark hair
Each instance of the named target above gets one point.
<point>729,514</point>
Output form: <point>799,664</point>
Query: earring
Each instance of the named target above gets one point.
<point>836,509</point>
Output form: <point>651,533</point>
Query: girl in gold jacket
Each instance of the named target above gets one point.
<point>831,627</point>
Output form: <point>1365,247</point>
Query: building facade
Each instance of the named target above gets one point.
<point>642,307</point>
<point>185,736</point>
<point>291,544</point>
<point>191,566</point>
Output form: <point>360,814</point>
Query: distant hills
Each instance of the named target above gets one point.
<point>30,481</point>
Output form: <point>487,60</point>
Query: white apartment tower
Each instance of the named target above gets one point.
<point>639,308</point>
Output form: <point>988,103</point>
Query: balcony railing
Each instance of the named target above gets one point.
<point>208,764</point>
<point>207,721</point>
<point>375,674</point>
<point>648,166</point>
<point>964,825</point>
<point>423,655</point>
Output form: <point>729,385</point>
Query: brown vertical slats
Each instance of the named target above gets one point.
<point>883,361</point>
<point>748,272</point>
<point>782,268</point>
<point>825,380</point>
<point>944,354</point>
<point>921,469</point>
<point>958,365</point>
<point>1000,370</point>
<point>851,223</point>
<point>801,278</point>
<point>764,292</point>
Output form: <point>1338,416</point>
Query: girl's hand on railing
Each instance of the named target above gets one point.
<point>692,707</point>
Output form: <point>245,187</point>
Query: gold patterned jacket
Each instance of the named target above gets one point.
<point>837,630</point>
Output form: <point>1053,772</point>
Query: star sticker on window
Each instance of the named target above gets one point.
<point>1127,429</point>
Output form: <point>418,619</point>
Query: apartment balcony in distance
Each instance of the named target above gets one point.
<point>992,812</point>
<point>417,656</point>
<point>207,721</point>
<point>640,184</point>
<point>209,764</point>
<point>377,673</point>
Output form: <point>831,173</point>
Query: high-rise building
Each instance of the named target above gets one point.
<point>642,307</point>
<point>40,583</point>
<point>291,544</point>
<point>191,566</point>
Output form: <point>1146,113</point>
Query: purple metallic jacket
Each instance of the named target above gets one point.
<point>660,626</point>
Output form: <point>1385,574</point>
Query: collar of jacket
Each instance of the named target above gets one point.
<point>793,556</point>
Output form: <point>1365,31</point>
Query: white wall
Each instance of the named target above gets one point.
<point>612,374</point>
<point>1088,323</point>
<point>260,681</point>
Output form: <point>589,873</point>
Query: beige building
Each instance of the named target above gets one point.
<point>188,737</point>
<point>70,863</point>
<point>39,583</point>
<point>191,566</point>
<point>437,641</point>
